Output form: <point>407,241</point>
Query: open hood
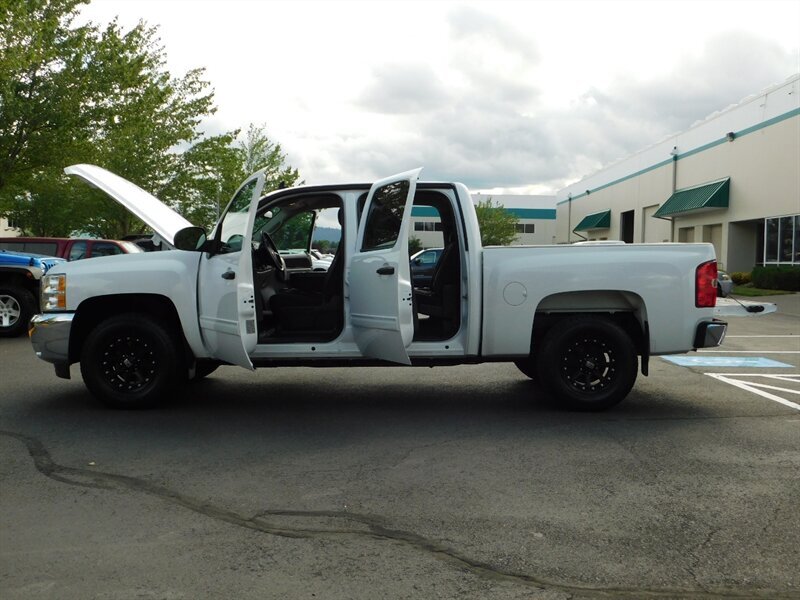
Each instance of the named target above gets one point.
<point>164,221</point>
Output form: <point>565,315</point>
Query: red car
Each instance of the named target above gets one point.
<point>69,248</point>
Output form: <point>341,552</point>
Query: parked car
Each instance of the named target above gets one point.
<point>319,261</point>
<point>423,264</point>
<point>68,248</point>
<point>20,274</point>
<point>724,284</point>
<point>298,259</point>
<point>146,242</point>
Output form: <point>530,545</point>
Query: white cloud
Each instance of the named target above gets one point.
<point>501,95</point>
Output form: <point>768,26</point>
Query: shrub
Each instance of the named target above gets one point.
<point>740,278</point>
<point>777,278</point>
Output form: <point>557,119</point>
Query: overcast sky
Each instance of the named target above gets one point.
<point>520,97</point>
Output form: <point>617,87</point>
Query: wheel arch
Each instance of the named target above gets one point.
<point>625,308</point>
<point>21,277</point>
<point>94,310</point>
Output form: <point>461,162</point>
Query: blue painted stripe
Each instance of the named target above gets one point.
<point>533,213</point>
<point>748,130</point>
<point>520,213</point>
<point>726,361</point>
<point>424,211</point>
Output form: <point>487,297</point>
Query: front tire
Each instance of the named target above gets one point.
<point>204,368</point>
<point>588,363</point>
<point>131,362</point>
<point>17,306</point>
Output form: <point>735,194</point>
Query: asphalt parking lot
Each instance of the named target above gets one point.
<point>458,482</point>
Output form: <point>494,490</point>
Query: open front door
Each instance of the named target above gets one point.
<point>226,297</point>
<point>381,297</point>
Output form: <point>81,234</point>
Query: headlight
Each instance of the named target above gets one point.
<point>54,292</point>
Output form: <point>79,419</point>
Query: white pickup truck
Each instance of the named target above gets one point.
<point>578,319</point>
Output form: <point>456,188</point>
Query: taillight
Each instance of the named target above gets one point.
<point>705,285</point>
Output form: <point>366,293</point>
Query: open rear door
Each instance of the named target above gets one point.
<point>381,297</point>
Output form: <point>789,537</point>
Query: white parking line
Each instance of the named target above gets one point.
<point>764,336</point>
<point>757,388</point>
<point>751,351</point>
<point>764,386</point>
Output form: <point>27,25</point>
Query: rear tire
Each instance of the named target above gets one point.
<point>17,306</point>
<point>587,363</point>
<point>527,366</point>
<point>131,362</point>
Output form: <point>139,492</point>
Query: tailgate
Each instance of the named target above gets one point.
<point>728,307</point>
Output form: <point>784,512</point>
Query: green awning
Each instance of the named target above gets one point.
<point>599,220</point>
<point>701,198</point>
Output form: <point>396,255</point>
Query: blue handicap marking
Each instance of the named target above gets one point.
<point>726,361</point>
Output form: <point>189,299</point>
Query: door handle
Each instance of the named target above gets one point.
<point>385,271</point>
<point>229,275</point>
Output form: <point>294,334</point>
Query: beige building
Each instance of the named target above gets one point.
<point>6,230</point>
<point>536,219</point>
<point>732,180</point>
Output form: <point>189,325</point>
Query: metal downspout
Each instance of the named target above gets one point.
<point>674,187</point>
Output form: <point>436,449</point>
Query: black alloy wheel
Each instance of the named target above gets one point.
<point>129,361</point>
<point>589,363</point>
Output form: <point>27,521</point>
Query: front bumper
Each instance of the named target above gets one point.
<point>710,334</point>
<point>49,335</point>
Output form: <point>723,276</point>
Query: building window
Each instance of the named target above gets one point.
<point>782,240</point>
<point>428,226</point>
<point>526,228</point>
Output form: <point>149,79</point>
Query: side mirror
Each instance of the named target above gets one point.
<point>190,238</point>
<point>417,261</point>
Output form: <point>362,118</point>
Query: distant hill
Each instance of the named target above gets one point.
<point>332,234</point>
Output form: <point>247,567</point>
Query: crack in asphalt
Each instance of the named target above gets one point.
<point>372,527</point>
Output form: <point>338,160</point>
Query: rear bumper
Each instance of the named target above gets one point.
<point>710,334</point>
<point>50,338</point>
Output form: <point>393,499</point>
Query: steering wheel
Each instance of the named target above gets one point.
<point>269,251</point>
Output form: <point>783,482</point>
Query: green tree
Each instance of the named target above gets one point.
<point>45,97</point>
<point>260,152</point>
<point>104,96</point>
<point>294,232</point>
<point>207,177</point>
<point>43,88</point>
<point>140,115</point>
<point>210,172</point>
<point>498,226</point>
<point>414,245</point>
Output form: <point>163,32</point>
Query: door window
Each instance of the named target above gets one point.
<point>327,234</point>
<point>294,233</point>
<point>385,216</point>
<point>429,258</point>
<point>232,227</point>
